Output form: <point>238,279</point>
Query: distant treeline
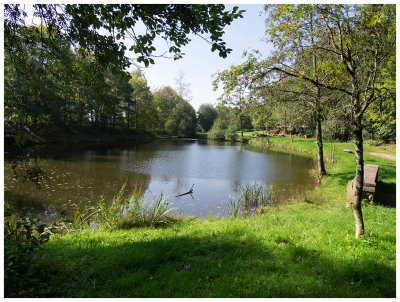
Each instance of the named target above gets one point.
<point>50,83</point>
<point>53,85</point>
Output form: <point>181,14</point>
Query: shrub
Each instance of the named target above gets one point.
<point>217,134</point>
<point>23,236</point>
<point>231,135</point>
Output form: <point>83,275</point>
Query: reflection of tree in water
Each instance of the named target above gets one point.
<point>77,177</point>
<point>235,186</point>
<point>80,176</point>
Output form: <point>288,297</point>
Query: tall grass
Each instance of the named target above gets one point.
<point>235,207</point>
<point>252,197</point>
<point>140,212</point>
<point>122,212</point>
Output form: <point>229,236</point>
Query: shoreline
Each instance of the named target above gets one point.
<point>305,248</point>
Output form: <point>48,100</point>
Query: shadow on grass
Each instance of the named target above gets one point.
<point>219,265</point>
<point>385,194</point>
<point>386,185</point>
<point>342,178</point>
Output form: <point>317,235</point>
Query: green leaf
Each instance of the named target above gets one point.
<point>20,140</point>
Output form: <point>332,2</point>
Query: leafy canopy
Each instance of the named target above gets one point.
<point>101,28</point>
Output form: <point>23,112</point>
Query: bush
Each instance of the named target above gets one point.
<point>23,236</point>
<point>231,135</point>
<point>217,133</point>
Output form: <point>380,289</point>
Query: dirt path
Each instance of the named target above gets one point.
<point>388,156</point>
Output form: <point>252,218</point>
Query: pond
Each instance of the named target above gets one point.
<point>76,175</point>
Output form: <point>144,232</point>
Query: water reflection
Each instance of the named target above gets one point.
<point>217,171</point>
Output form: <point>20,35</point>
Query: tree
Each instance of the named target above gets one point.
<point>165,99</point>
<point>140,103</point>
<point>381,115</point>
<point>63,69</point>
<point>261,116</point>
<point>295,31</point>
<point>336,123</point>
<point>182,87</point>
<point>344,49</point>
<point>225,125</point>
<point>362,38</point>
<point>176,116</point>
<point>206,116</point>
<point>70,69</point>
<point>356,43</point>
<point>292,112</point>
<point>237,87</point>
<point>101,28</point>
<point>37,83</point>
<point>182,121</point>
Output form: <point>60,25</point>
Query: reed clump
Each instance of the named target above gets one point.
<point>251,198</point>
<point>140,212</point>
<point>123,213</point>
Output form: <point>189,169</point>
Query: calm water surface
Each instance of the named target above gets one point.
<point>217,170</point>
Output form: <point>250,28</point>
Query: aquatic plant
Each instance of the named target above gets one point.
<point>123,212</point>
<point>254,196</point>
<point>235,207</point>
<point>145,213</point>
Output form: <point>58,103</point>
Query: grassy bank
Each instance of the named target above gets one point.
<point>333,188</point>
<point>305,248</point>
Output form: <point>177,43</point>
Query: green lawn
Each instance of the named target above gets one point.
<point>305,248</point>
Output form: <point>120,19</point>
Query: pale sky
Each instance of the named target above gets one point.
<point>199,63</point>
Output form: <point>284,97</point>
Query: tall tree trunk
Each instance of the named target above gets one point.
<point>113,120</point>
<point>321,165</point>
<point>35,121</point>
<point>97,117</point>
<point>285,123</point>
<point>136,116</point>
<point>128,116</point>
<point>91,118</point>
<point>241,126</point>
<point>359,180</point>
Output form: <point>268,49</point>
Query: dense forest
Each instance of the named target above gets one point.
<point>62,88</point>
<point>63,74</point>
<point>53,82</point>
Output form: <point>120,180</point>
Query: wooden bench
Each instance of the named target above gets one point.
<point>369,188</point>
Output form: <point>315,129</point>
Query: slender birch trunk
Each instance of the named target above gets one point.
<point>359,179</point>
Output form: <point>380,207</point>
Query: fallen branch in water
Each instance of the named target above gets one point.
<point>188,192</point>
